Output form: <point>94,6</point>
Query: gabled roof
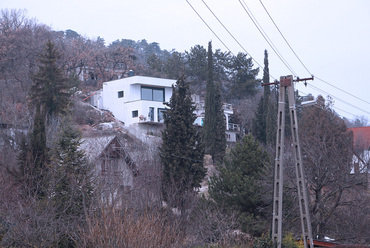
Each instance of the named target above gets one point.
<point>94,146</point>
<point>361,137</point>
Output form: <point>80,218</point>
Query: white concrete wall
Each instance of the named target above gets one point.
<point>122,107</point>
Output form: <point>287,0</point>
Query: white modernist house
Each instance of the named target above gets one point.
<point>137,99</point>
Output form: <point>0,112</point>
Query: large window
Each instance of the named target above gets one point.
<point>152,94</point>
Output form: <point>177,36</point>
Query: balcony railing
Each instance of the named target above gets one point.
<point>227,106</point>
<point>233,127</point>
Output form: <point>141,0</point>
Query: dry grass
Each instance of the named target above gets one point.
<point>112,228</point>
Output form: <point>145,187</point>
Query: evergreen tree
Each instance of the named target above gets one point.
<point>182,150</point>
<point>264,125</point>
<point>72,186</point>
<point>50,90</point>
<point>214,121</point>
<point>237,185</point>
<point>33,160</point>
<point>219,146</point>
<point>244,82</point>
<point>259,123</point>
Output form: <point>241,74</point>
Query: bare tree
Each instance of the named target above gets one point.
<point>327,151</point>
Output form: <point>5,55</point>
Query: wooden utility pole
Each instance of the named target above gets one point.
<point>287,86</point>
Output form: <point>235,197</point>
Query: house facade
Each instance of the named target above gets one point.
<point>126,173</point>
<point>135,99</point>
<point>138,102</point>
<point>231,128</point>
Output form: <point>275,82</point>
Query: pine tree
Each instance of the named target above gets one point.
<point>214,120</point>
<point>244,82</point>
<point>237,185</point>
<point>182,150</point>
<point>50,90</point>
<point>72,184</point>
<point>72,173</point>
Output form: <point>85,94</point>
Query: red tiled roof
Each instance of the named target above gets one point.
<point>318,243</point>
<point>361,137</point>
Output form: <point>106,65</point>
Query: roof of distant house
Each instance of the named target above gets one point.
<point>94,146</point>
<point>146,81</point>
<point>361,137</point>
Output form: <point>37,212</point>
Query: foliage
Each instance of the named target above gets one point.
<point>244,82</point>
<point>197,63</point>
<point>263,242</point>
<point>33,158</point>
<point>50,90</point>
<point>182,150</point>
<point>72,182</point>
<point>214,121</point>
<point>266,242</point>
<point>264,125</point>
<point>237,185</point>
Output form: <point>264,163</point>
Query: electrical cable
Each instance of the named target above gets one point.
<point>301,60</point>
<point>318,89</point>
<point>334,107</point>
<point>235,39</point>
<point>285,38</point>
<point>272,46</point>
<point>267,39</point>
<point>341,90</point>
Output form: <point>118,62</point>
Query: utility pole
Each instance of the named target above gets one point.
<point>287,86</point>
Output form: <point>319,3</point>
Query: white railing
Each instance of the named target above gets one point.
<point>233,127</point>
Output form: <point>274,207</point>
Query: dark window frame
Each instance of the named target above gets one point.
<point>135,113</point>
<point>160,116</point>
<point>121,94</point>
<point>152,93</point>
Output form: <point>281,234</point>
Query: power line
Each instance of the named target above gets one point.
<point>220,38</point>
<point>334,107</point>
<point>235,38</point>
<point>284,38</point>
<point>265,36</point>
<point>342,90</point>
<point>301,60</point>
<point>263,33</point>
<point>318,89</point>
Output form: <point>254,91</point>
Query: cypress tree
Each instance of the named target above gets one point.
<point>264,125</point>
<point>219,146</point>
<point>210,115</point>
<point>182,150</point>
<point>214,120</point>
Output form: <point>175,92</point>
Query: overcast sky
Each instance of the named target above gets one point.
<point>330,37</point>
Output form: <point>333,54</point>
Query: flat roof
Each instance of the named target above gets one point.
<point>142,80</point>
